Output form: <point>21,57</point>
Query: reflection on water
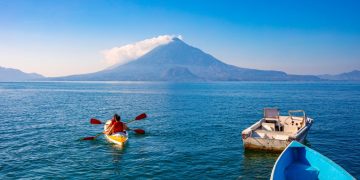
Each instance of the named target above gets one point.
<point>258,164</point>
<point>307,143</point>
<point>253,159</point>
<point>117,153</point>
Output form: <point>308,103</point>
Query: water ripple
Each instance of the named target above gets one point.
<point>193,129</point>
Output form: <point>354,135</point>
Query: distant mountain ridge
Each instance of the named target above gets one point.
<point>10,74</point>
<point>348,76</point>
<point>177,61</point>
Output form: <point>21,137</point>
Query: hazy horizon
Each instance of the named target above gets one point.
<point>58,38</point>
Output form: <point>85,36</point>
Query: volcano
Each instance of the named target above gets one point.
<point>178,61</point>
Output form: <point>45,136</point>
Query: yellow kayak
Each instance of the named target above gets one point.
<point>119,138</point>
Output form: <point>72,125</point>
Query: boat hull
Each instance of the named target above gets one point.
<point>275,145</point>
<point>276,141</point>
<point>300,162</point>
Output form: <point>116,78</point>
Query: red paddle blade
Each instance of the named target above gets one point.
<point>88,138</point>
<point>139,131</point>
<point>95,121</point>
<point>141,116</point>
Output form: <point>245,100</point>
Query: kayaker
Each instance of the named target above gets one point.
<point>116,125</point>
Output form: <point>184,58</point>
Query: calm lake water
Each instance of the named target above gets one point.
<point>193,130</point>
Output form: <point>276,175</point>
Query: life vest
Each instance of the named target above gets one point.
<point>118,127</point>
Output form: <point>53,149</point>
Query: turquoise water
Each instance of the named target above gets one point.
<point>193,129</point>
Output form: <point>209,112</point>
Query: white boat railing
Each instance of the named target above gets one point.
<point>292,112</point>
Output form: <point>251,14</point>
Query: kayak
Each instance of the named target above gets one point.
<point>298,161</point>
<point>119,138</point>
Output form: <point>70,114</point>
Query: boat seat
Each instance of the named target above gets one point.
<point>271,120</point>
<point>271,115</point>
<point>271,134</point>
<point>268,126</point>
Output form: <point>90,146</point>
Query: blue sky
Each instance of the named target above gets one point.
<point>60,37</point>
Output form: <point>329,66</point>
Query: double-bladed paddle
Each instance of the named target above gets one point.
<point>92,137</point>
<point>137,118</point>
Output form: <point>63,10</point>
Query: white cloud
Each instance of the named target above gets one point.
<point>127,53</point>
